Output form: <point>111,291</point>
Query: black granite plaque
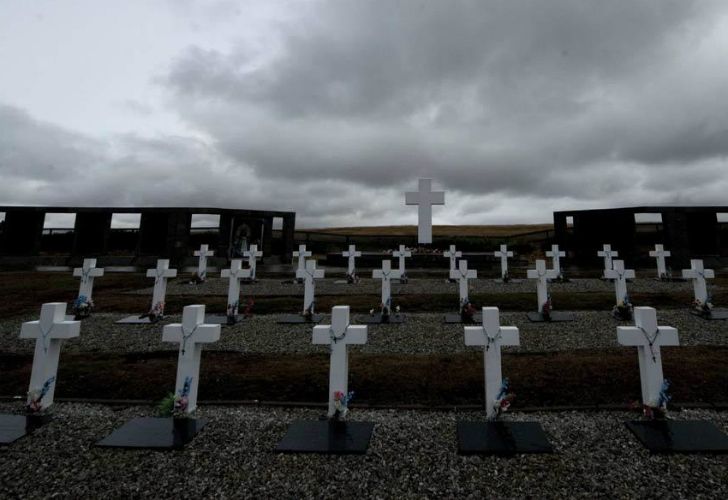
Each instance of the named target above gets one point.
<point>502,438</point>
<point>556,317</point>
<point>715,315</point>
<point>324,436</point>
<point>14,427</point>
<point>456,318</point>
<point>156,433</point>
<point>679,436</point>
<point>136,320</point>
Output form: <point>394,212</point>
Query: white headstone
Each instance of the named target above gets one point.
<point>203,253</point>
<point>87,273</point>
<point>608,254</point>
<point>339,335</point>
<point>386,274</point>
<point>698,274</point>
<point>234,274</point>
<point>161,274</point>
<point>425,198</point>
<point>542,275</point>
<point>503,253</point>
<point>660,253</point>
<point>462,274</point>
<point>453,255</point>
<point>351,255</point>
<point>252,256</point>
<point>49,333</point>
<point>402,254</point>
<point>556,255</point>
<point>620,275</point>
<point>190,334</point>
<point>648,337</point>
<point>301,254</point>
<point>309,275</point>
<point>491,336</point>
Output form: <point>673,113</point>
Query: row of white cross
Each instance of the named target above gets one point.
<point>53,328</point>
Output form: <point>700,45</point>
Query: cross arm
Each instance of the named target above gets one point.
<point>474,335</point>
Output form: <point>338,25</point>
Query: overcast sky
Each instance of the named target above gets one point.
<point>334,108</point>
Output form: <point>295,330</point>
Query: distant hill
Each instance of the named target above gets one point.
<point>483,231</point>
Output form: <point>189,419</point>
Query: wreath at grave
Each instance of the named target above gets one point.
<point>35,396</point>
<point>175,405</point>
<point>352,278</point>
<point>623,310</point>
<point>197,279</point>
<point>503,400</point>
<point>155,314</point>
<point>467,311</point>
<point>658,410</point>
<point>386,310</point>
<point>82,307</point>
<point>506,277</point>
<point>704,309</point>
<point>341,405</point>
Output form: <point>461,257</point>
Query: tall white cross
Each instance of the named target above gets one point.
<point>453,255</point>
<point>49,332</point>
<point>608,254</point>
<point>351,255</point>
<point>252,256</point>
<point>503,253</point>
<point>660,253</point>
<point>309,275</point>
<point>620,275</point>
<point>462,274</point>
<point>402,254</point>
<point>161,274</point>
<point>234,274</point>
<point>87,273</point>
<point>491,336</point>
<point>648,337</point>
<point>190,334</point>
<point>556,255</point>
<point>203,253</point>
<point>542,275</point>
<point>339,335</point>
<point>386,274</point>
<point>301,254</point>
<point>425,198</point>
<point>698,274</point>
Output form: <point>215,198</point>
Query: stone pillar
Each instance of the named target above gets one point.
<point>288,234</point>
<point>91,233</point>
<point>23,231</point>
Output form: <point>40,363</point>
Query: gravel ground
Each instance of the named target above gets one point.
<point>421,334</point>
<point>368,286</point>
<point>413,454</point>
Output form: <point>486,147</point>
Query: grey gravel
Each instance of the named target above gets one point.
<point>420,334</point>
<point>413,454</point>
<point>368,286</point>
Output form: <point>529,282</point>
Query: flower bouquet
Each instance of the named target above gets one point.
<point>232,313</point>
<point>546,309</point>
<point>155,314</point>
<point>175,406</point>
<point>467,311</point>
<point>623,310</point>
<point>503,400</point>
<point>341,405</point>
<point>82,307</point>
<point>658,410</point>
<point>35,397</point>
<point>197,279</point>
<point>352,278</point>
<point>704,309</point>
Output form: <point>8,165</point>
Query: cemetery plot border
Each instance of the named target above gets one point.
<point>299,319</point>
<point>679,436</point>
<point>163,433</point>
<point>377,319</point>
<point>14,427</point>
<point>327,436</point>
<point>501,438</point>
<point>554,317</point>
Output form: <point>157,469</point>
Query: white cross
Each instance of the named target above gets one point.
<point>351,254</point>
<point>301,253</point>
<point>608,255</point>
<point>660,253</point>
<point>339,335</point>
<point>87,273</point>
<point>309,275</point>
<point>648,337</point>
<point>49,331</point>
<point>234,274</point>
<point>556,255</point>
<point>161,274</point>
<point>424,198</point>
<point>462,274</point>
<point>503,253</point>
<point>386,274</point>
<point>252,256</point>
<point>698,274</point>
<point>402,253</point>
<point>453,255</point>
<point>491,336</point>
<point>542,275</point>
<point>620,275</point>
<point>190,334</point>
<point>203,253</point>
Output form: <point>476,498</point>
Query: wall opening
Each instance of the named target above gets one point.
<point>124,234</point>
<point>58,233</point>
<point>205,230</point>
